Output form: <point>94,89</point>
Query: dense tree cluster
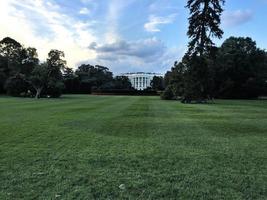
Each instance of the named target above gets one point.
<point>237,69</point>
<point>88,77</point>
<point>22,74</point>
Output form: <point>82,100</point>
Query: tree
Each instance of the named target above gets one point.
<point>178,77</point>
<point>93,77</point>
<point>15,62</point>
<point>168,93</point>
<point>204,24</point>
<point>122,82</point>
<point>241,69</point>
<point>11,50</point>
<point>55,64</point>
<point>17,85</point>
<point>71,81</point>
<point>29,59</point>
<point>3,72</point>
<point>39,78</point>
<point>157,83</point>
<point>47,78</point>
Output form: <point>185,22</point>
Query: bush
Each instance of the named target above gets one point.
<point>54,89</point>
<point>168,94</point>
<point>17,85</point>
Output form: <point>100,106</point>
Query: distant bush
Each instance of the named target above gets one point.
<point>168,94</point>
<point>16,85</point>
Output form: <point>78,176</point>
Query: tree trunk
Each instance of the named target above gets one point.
<point>38,93</point>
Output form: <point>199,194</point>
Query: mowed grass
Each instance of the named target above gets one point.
<point>85,147</point>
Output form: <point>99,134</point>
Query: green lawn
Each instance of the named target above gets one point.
<point>85,147</point>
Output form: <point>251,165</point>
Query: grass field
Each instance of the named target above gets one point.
<point>85,147</point>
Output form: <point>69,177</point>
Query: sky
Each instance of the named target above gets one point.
<point>123,35</point>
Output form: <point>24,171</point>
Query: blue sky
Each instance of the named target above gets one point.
<point>124,35</point>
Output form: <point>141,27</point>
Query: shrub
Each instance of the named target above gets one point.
<point>168,94</point>
<point>17,85</point>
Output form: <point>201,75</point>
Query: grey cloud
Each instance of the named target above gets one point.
<point>236,18</point>
<point>145,50</point>
<point>149,55</point>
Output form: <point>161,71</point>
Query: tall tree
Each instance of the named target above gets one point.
<point>29,59</point>
<point>56,65</point>
<point>204,23</point>
<point>11,50</point>
<point>71,81</point>
<point>39,78</point>
<point>3,73</point>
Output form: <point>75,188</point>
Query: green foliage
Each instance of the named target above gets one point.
<point>122,82</point>
<point>197,80</point>
<point>168,93</point>
<point>3,73</point>
<point>47,78</point>
<point>204,23</point>
<point>157,83</point>
<point>93,77</point>
<point>54,88</point>
<point>11,50</point>
<point>241,69</point>
<point>16,65</point>
<point>29,61</point>
<point>17,85</point>
<point>237,69</point>
<point>85,147</point>
<point>71,81</point>
<point>39,78</point>
<point>175,78</point>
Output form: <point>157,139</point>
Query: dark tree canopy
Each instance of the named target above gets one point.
<point>204,23</point>
<point>17,85</point>
<point>241,69</point>
<point>90,76</point>
<point>39,78</point>
<point>122,82</point>
<point>157,83</point>
<point>237,69</point>
<point>11,50</point>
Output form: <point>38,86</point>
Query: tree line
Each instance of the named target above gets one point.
<point>237,69</point>
<point>23,75</point>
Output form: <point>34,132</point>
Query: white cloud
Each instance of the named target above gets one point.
<point>155,21</point>
<point>236,18</point>
<point>115,10</point>
<point>41,24</point>
<point>84,11</point>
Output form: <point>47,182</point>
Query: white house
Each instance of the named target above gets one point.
<point>141,80</point>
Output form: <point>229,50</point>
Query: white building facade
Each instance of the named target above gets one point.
<point>141,80</point>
